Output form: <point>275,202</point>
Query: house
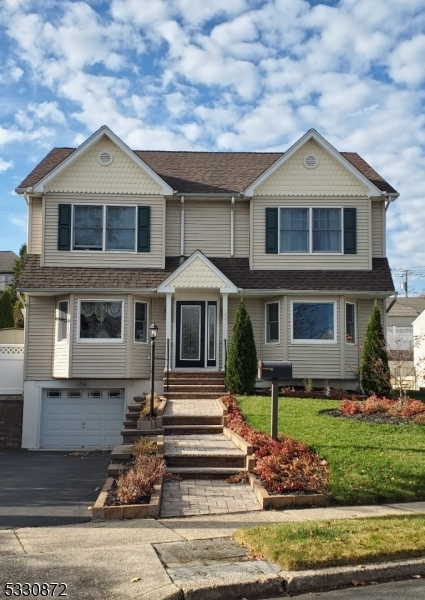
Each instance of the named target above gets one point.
<point>119,239</point>
<point>7,262</point>
<point>400,339</point>
<point>418,326</point>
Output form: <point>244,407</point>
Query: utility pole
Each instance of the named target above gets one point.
<point>404,284</point>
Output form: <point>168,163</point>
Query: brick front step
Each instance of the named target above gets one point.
<point>216,461</point>
<point>114,469</point>
<point>191,420</point>
<point>129,436</point>
<point>203,473</point>
<point>134,408</point>
<point>200,395</point>
<point>185,387</point>
<point>122,452</point>
<point>194,375</point>
<point>195,429</point>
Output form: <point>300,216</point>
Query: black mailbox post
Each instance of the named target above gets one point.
<point>274,370</point>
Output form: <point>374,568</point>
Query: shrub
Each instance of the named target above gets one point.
<point>6,309</point>
<point>284,466</point>
<point>144,446</point>
<point>374,370</point>
<point>374,405</point>
<point>145,410</point>
<point>138,481</point>
<point>241,367</point>
<point>419,419</point>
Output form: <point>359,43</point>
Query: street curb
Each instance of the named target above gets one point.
<point>325,579</point>
<point>254,588</point>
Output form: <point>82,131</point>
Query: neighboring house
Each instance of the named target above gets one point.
<point>121,238</point>
<point>400,339</point>
<point>7,262</point>
<point>419,349</point>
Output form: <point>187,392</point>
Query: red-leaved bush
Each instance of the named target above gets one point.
<point>284,466</point>
<point>373,405</point>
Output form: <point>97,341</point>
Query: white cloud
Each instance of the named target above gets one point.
<point>407,61</point>
<point>18,221</point>
<point>5,165</point>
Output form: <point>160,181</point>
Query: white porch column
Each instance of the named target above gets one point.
<point>225,328</point>
<point>168,305</point>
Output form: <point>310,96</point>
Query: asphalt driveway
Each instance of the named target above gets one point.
<point>49,488</point>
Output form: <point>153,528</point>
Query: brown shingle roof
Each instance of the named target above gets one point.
<point>237,270</point>
<point>204,172</point>
<point>7,261</point>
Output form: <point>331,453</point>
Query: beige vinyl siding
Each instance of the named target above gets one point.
<point>40,335</point>
<point>360,260</point>
<point>172,235</point>
<point>377,229</point>
<point>399,321</point>
<point>55,258</point>
<point>241,231</point>
<point>207,227</point>
<point>321,362</point>
<point>329,178</point>
<point>35,226</point>
<point>91,360</point>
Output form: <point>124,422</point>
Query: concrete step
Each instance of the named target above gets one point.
<point>204,473</point>
<point>194,429</point>
<point>130,436</point>
<point>134,408</point>
<point>210,460</point>
<point>122,452</point>
<point>115,469</point>
<point>194,375</point>
<point>174,420</point>
<point>130,424</point>
<point>188,387</point>
<point>202,394</point>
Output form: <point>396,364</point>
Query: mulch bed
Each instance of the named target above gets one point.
<point>380,419</point>
<point>112,499</point>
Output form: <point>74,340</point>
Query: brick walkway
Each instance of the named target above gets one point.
<point>192,408</point>
<point>206,497</point>
<point>195,445</point>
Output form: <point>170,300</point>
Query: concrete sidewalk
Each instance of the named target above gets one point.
<point>170,559</point>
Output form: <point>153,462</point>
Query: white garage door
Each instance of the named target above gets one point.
<point>89,419</point>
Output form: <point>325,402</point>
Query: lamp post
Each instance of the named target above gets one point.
<point>153,330</point>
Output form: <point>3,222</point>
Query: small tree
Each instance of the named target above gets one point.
<point>374,371</point>
<point>18,318</point>
<point>6,309</point>
<point>241,366</point>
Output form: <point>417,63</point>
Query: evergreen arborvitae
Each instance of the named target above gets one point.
<point>18,318</point>
<point>241,368</point>
<point>374,371</point>
<point>6,309</point>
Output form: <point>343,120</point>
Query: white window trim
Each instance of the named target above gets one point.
<point>104,206</point>
<point>314,342</point>
<point>100,340</point>
<point>353,343</point>
<point>274,342</point>
<point>310,232</point>
<point>134,321</point>
<point>63,340</point>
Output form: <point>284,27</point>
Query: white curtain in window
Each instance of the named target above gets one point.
<point>101,309</point>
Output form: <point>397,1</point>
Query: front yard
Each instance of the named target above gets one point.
<point>368,463</point>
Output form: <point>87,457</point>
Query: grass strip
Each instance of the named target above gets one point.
<point>319,544</point>
<point>368,463</point>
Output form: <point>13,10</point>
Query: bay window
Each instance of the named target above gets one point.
<point>272,322</point>
<point>100,320</point>
<point>140,322</point>
<point>313,322</point>
<point>350,323</point>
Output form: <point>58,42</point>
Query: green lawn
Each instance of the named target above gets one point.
<point>368,463</point>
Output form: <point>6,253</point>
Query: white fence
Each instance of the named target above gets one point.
<point>11,368</point>
<point>400,338</point>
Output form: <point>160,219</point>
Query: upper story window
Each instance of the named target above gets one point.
<point>104,228</point>
<point>311,230</point>
<point>100,320</point>
<point>62,321</point>
<point>272,322</point>
<point>314,322</point>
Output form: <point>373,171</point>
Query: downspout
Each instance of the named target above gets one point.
<point>393,302</point>
<point>182,226</point>
<point>232,226</point>
<point>27,202</point>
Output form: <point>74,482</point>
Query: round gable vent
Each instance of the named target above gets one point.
<point>105,158</point>
<point>311,161</point>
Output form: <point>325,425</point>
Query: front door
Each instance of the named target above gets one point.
<point>196,330</point>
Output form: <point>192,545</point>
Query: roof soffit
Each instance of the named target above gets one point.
<point>313,134</point>
<point>103,131</point>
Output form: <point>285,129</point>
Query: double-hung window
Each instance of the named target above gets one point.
<point>110,228</point>
<point>310,230</point>
<point>140,322</point>
<point>272,322</point>
<point>314,322</point>
<point>62,321</point>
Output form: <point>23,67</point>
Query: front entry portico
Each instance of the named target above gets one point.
<point>198,291</point>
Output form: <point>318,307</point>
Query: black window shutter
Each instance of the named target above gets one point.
<point>144,229</point>
<point>350,230</point>
<point>64,227</point>
<point>271,231</point>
